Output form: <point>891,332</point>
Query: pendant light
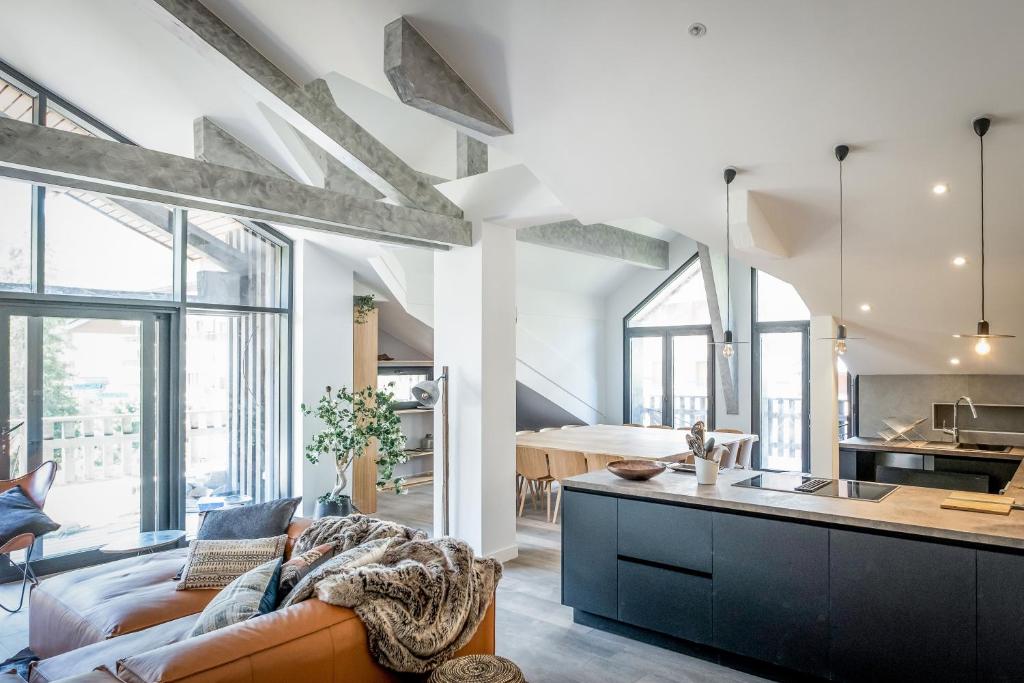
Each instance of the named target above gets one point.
<point>841,336</point>
<point>728,343</point>
<point>983,333</point>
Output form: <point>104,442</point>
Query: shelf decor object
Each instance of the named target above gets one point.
<point>983,333</point>
<point>728,343</point>
<point>841,335</point>
<point>428,393</point>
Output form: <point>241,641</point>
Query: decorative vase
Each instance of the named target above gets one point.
<point>707,471</point>
<point>339,507</point>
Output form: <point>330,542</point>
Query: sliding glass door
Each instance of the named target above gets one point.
<point>670,378</point>
<point>85,388</point>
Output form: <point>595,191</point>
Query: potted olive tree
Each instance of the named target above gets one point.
<point>352,420</point>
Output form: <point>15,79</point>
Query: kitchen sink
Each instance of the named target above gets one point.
<point>990,448</point>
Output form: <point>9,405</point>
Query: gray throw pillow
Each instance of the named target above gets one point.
<point>261,520</point>
<point>250,595</point>
<point>19,514</point>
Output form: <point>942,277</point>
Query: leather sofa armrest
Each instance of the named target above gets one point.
<point>301,642</point>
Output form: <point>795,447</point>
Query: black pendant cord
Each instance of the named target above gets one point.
<point>728,263</point>
<point>981,148</point>
<point>840,241</point>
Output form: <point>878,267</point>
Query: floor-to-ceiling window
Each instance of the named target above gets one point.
<point>668,373</point>
<point>780,368</point>
<point>144,348</point>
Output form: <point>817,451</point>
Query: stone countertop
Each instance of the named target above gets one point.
<point>926,448</point>
<point>907,510</point>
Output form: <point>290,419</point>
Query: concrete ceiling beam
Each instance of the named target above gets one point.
<point>718,327</point>
<point>53,157</point>
<point>601,240</point>
<point>423,79</point>
<point>214,144</point>
<point>470,155</point>
<point>311,108</point>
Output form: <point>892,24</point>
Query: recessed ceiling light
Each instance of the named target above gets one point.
<point>697,29</point>
<point>866,308</point>
<point>959,261</point>
<point>954,361</point>
<point>940,188</point>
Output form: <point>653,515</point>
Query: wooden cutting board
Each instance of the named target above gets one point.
<point>990,503</point>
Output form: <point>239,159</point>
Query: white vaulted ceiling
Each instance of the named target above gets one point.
<point>621,114</point>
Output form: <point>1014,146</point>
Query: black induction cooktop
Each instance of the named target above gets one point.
<point>832,488</point>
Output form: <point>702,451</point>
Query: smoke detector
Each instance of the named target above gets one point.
<point>697,29</point>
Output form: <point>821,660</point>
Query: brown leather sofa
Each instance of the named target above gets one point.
<point>127,620</point>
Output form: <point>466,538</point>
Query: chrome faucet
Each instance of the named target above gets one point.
<point>955,431</point>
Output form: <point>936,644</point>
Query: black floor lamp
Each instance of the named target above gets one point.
<point>427,393</point>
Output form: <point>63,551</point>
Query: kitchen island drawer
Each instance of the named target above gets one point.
<point>664,600</point>
<point>665,534</point>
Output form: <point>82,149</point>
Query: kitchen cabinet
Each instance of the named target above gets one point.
<point>770,587</point>
<point>901,609</point>
<point>1000,615</point>
<point>589,553</point>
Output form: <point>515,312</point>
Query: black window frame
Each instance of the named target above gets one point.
<point>166,510</point>
<point>757,329</point>
<point>665,332</point>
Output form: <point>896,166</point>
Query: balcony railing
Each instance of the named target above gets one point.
<point>781,441</point>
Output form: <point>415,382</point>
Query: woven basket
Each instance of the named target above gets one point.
<point>477,669</point>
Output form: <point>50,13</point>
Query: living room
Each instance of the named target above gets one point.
<point>534,341</point>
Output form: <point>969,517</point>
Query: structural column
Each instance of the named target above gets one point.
<point>824,412</point>
<point>474,335</point>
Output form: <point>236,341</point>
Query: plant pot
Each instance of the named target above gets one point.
<point>339,507</point>
<point>707,471</point>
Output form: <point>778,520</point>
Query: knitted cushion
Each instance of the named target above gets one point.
<point>215,564</point>
<point>250,595</point>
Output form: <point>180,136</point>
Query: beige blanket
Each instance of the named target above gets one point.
<point>420,599</point>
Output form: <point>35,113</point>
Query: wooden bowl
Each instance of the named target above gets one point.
<point>636,470</point>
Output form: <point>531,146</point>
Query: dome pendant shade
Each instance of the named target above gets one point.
<point>728,343</point>
<point>983,334</point>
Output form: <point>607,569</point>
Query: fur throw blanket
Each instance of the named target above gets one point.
<point>420,599</point>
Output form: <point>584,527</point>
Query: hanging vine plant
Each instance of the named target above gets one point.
<point>363,305</point>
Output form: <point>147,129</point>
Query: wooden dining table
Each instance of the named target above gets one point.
<point>623,441</point>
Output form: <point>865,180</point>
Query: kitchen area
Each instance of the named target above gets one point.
<point>906,563</point>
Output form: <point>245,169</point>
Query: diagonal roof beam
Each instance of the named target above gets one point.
<point>725,366</point>
<point>470,156</point>
<point>54,157</point>
<point>214,144</point>
<point>600,239</point>
<point>311,109</point>
<point>423,79</point>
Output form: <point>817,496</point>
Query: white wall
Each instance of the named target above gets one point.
<point>474,312</point>
<point>398,349</point>
<point>560,348</point>
<point>322,353</point>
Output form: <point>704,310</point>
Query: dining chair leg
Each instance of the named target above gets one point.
<point>558,502</point>
<point>27,576</point>
<point>522,498</point>
<point>547,512</point>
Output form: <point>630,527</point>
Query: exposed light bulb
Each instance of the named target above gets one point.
<point>840,346</point>
<point>728,350</point>
<point>982,347</point>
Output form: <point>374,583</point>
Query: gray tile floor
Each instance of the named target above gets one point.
<point>533,629</point>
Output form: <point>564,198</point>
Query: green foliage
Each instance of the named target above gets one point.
<point>363,306</point>
<point>353,420</point>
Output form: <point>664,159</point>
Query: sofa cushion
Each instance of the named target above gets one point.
<point>19,514</point>
<point>250,595</point>
<point>107,653</point>
<point>85,606</point>
<point>215,564</point>
<point>261,520</point>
